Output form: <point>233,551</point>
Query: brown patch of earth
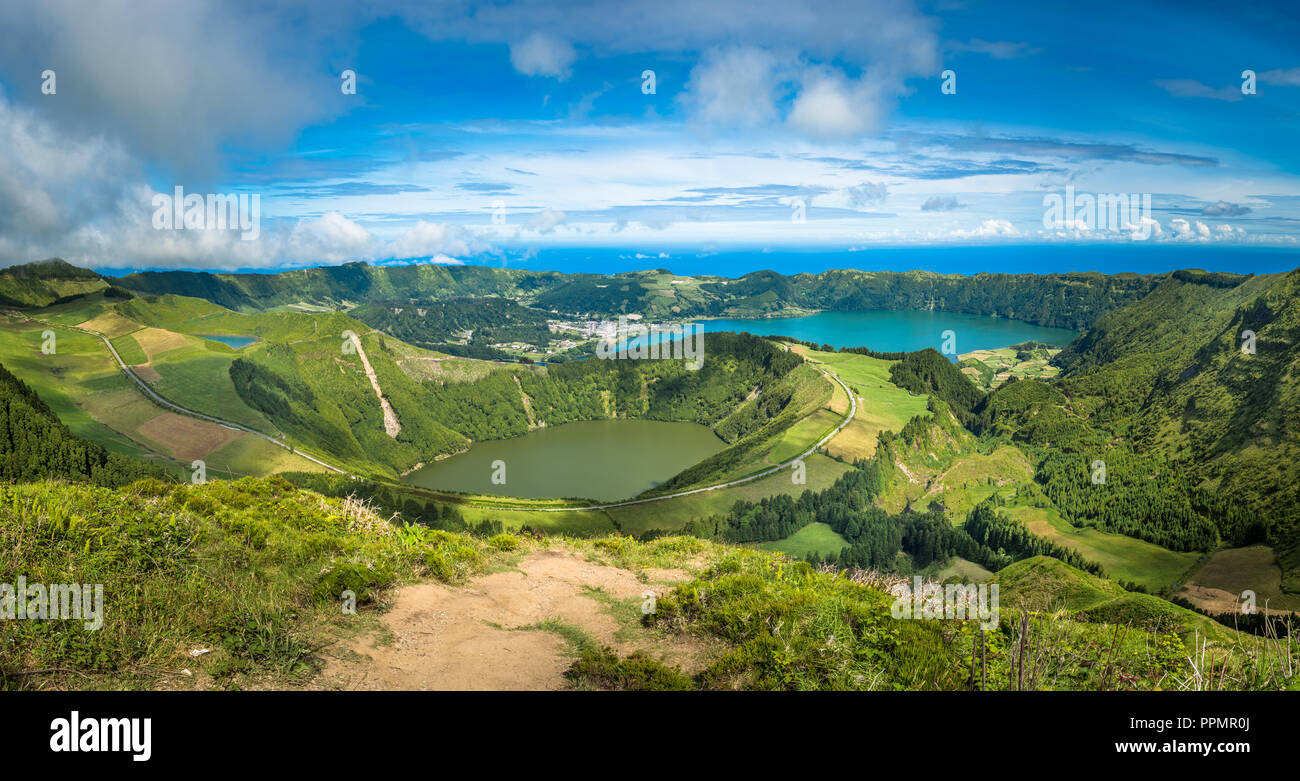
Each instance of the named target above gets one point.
<point>147,373</point>
<point>186,437</point>
<point>1216,600</point>
<point>482,636</point>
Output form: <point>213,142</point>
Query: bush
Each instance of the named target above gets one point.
<point>603,669</point>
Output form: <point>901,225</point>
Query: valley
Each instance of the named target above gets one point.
<point>855,448</point>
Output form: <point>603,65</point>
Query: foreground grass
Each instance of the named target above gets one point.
<point>241,583</point>
<point>252,570</point>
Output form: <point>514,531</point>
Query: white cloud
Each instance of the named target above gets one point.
<point>543,54</point>
<point>830,106</point>
<point>1289,77</point>
<point>989,229</point>
<point>735,86</point>
<point>171,80</point>
<point>547,220</point>
<point>428,239</point>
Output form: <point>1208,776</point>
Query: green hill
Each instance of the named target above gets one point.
<point>46,282</point>
<point>1168,375</point>
<point>1046,585</point>
<point>1073,300</point>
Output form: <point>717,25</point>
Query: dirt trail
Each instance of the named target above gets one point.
<point>391,426</point>
<point>470,637</point>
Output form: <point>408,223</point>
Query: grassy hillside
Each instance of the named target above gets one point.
<point>1169,375</point>
<point>46,282</point>
<point>34,444</point>
<point>253,570</point>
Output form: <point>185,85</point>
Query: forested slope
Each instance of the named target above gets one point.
<point>1169,377</point>
<point>35,445</point>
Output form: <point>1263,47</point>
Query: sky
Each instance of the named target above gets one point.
<point>454,132</point>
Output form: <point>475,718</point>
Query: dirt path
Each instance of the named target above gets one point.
<point>484,635</point>
<point>391,426</point>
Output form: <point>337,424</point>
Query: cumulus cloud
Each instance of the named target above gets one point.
<point>332,238</point>
<point>173,80</point>
<point>427,239</point>
<point>543,54</point>
<point>734,86</point>
<point>831,106</point>
<point>989,229</point>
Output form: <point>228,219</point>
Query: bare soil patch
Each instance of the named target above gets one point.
<point>186,437</point>
<point>147,373</point>
<point>480,636</point>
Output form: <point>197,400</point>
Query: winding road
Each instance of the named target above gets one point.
<point>153,396</point>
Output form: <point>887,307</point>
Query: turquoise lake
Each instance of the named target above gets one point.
<point>901,331</point>
<point>231,341</point>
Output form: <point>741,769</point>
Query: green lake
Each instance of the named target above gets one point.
<point>609,460</point>
<point>606,460</point>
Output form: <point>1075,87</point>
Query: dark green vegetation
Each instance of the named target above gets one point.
<point>441,325</point>
<point>1195,439</point>
<point>903,543</point>
<point>1071,301</point>
<point>35,445</point>
<point>928,372</point>
<point>1170,378</point>
<point>47,282</point>
<point>793,626</point>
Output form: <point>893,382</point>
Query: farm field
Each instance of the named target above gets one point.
<point>83,385</point>
<point>991,368</point>
<point>882,406</point>
<point>816,538</point>
<point>1235,570</point>
<point>1123,558</point>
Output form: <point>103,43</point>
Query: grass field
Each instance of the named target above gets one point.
<point>85,388</point>
<point>1124,558</point>
<point>1238,569</point>
<point>803,435</point>
<point>816,538</point>
<point>990,368</point>
<point>79,383</point>
<point>969,480</point>
<point>882,406</point>
<point>964,571</point>
<point>577,523</point>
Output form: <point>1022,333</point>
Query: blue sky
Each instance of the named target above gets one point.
<point>490,132</point>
